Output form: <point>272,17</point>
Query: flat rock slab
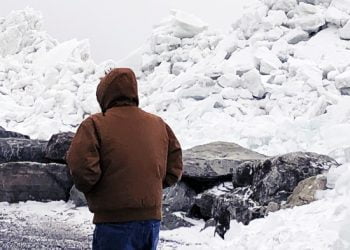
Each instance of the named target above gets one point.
<point>21,149</point>
<point>215,160</point>
<point>22,181</point>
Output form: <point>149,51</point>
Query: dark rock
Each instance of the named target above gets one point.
<point>77,197</point>
<point>203,206</point>
<point>242,175</point>
<point>58,146</point>
<point>10,134</point>
<point>275,178</point>
<point>178,198</point>
<point>171,221</point>
<point>209,164</point>
<point>18,149</point>
<point>22,181</point>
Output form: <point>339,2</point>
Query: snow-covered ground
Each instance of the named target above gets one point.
<point>279,81</point>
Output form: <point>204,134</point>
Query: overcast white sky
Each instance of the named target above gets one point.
<point>116,27</point>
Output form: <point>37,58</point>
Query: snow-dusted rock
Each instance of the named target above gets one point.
<point>58,146</point>
<point>178,198</point>
<point>267,60</point>
<point>21,149</point>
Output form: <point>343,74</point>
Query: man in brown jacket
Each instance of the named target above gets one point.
<point>121,159</point>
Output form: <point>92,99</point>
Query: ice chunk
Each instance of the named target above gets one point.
<point>343,80</point>
<point>296,35</point>
<point>285,5</point>
<point>343,5</point>
<point>306,71</point>
<point>242,60</point>
<point>275,18</point>
<point>252,81</point>
<point>344,32</point>
<point>267,60</point>
<point>181,25</point>
<point>336,16</point>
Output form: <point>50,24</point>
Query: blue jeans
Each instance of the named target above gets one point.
<point>126,236</point>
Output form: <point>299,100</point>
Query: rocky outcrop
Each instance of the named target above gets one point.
<point>221,181</point>
<point>20,149</point>
<point>22,181</point>
<point>260,187</point>
<point>58,146</point>
<point>306,190</point>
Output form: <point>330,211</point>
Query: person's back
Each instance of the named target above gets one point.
<point>121,159</point>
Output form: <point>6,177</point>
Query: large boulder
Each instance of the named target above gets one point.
<point>77,197</point>
<point>179,197</point>
<point>20,149</point>
<point>10,134</point>
<point>58,146</point>
<point>214,162</point>
<point>306,190</point>
<point>274,179</point>
<point>22,181</point>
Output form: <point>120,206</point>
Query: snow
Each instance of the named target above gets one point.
<point>274,83</point>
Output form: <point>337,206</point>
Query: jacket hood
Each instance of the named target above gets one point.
<point>117,88</point>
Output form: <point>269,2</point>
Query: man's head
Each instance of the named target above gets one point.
<point>117,88</point>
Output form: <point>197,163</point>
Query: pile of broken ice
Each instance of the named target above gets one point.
<point>278,81</point>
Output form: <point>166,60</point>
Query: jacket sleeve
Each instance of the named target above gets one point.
<point>83,157</point>
<point>174,161</point>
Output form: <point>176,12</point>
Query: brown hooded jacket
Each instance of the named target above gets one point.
<point>123,157</point>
